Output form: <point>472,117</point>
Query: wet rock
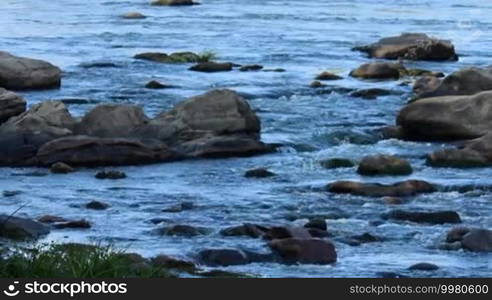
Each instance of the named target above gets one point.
<point>277,70</point>
<point>112,121</point>
<point>384,165</point>
<point>328,76</point>
<point>317,84</point>
<point>366,238</point>
<point>49,219</point>
<point>258,173</point>
<point>133,15</point>
<point>423,267</point>
<point>304,251</point>
<point>468,81</point>
<point>77,224</point>
<point>478,240</point>
<point>422,72</point>
<point>378,70</point>
<point>393,200</point>
<point>450,246</point>
<point>411,46</point>
<point>335,163</point>
<point>319,233</point>
<point>154,84</point>
<point>350,136</point>
<point>223,257</point>
<point>212,67</point>
<point>372,93</point>
<point>456,234</point>
<point>472,154</point>
<point>179,207</point>
<point>285,232</point>
<point>167,262</point>
<point>61,168</point>
<point>251,230</point>
<point>425,85</point>
<point>98,64</point>
<point>318,223</point>
<point>183,230</point>
<point>173,58</point>
<point>439,217</point>
<point>399,189</point>
<point>11,193</point>
<point>17,228</point>
<point>11,105</point>
<point>20,73</point>
<point>459,118</point>
<point>249,68</point>
<point>389,132</point>
<point>97,205</point>
<point>173,2</point>
<point>88,151</point>
<point>112,174</point>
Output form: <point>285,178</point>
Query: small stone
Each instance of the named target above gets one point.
<point>335,163</point>
<point>328,76</point>
<point>258,173</point>
<point>133,15</point>
<point>110,175</point>
<point>154,84</point>
<point>248,68</point>
<point>61,168</point>
<point>97,205</point>
<point>423,267</point>
<point>48,219</point>
<point>317,84</point>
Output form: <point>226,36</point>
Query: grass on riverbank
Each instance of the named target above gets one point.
<point>77,261</point>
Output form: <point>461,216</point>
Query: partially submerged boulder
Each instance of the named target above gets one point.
<point>212,67</point>
<point>219,123</point>
<point>378,70</point>
<point>437,217</point>
<point>471,239</point>
<point>468,81</point>
<point>304,251</point>
<point>384,165</point>
<point>173,2</point>
<point>17,228</point>
<point>20,73</point>
<point>399,189</point>
<point>411,46</point>
<point>172,58</point>
<point>458,117</point>
<point>11,105</point>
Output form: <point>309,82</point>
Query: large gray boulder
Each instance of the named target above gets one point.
<point>411,46</point>
<point>17,228</point>
<point>92,151</point>
<point>11,105</point>
<point>467,81</point>
<point>110,121</point>
<point>20,73</point>
<point>447,118</point>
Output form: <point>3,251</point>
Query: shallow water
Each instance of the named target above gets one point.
<point>303,37</point>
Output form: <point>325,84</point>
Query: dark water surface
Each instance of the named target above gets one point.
<point>303,37</point>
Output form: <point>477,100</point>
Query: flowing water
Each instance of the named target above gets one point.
<point>304,38</point>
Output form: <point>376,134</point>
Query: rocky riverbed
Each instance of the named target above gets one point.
<point>347,139</point>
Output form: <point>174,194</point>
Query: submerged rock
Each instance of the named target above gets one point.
<point>459,117</point>
<point>304,251</point>
<point>399,189</point>
<point>259,173</point>
<point>77,224</point>
<point>173,58</point>
<point>250,230</point>
<point>211,67</point>
<point>373,93</point>
<point>223,257</point>
<point>20,73</point>
<point>249,68</point>
<point>154,84</point>
<point>11,105</point>
<point>111,174</point>
<point>328,76</point>
<point>61,168</point>
<point>17,228</point>
<point>97,205</point>
<point>439,217</point>
<point>173,2</point>
<point>384,165</point>
<point>423,267</point>
<point>378,70</point>
<point>133,15</point>
<point>183,230</point>
<point>335,163</point>
<point>411,46</point>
